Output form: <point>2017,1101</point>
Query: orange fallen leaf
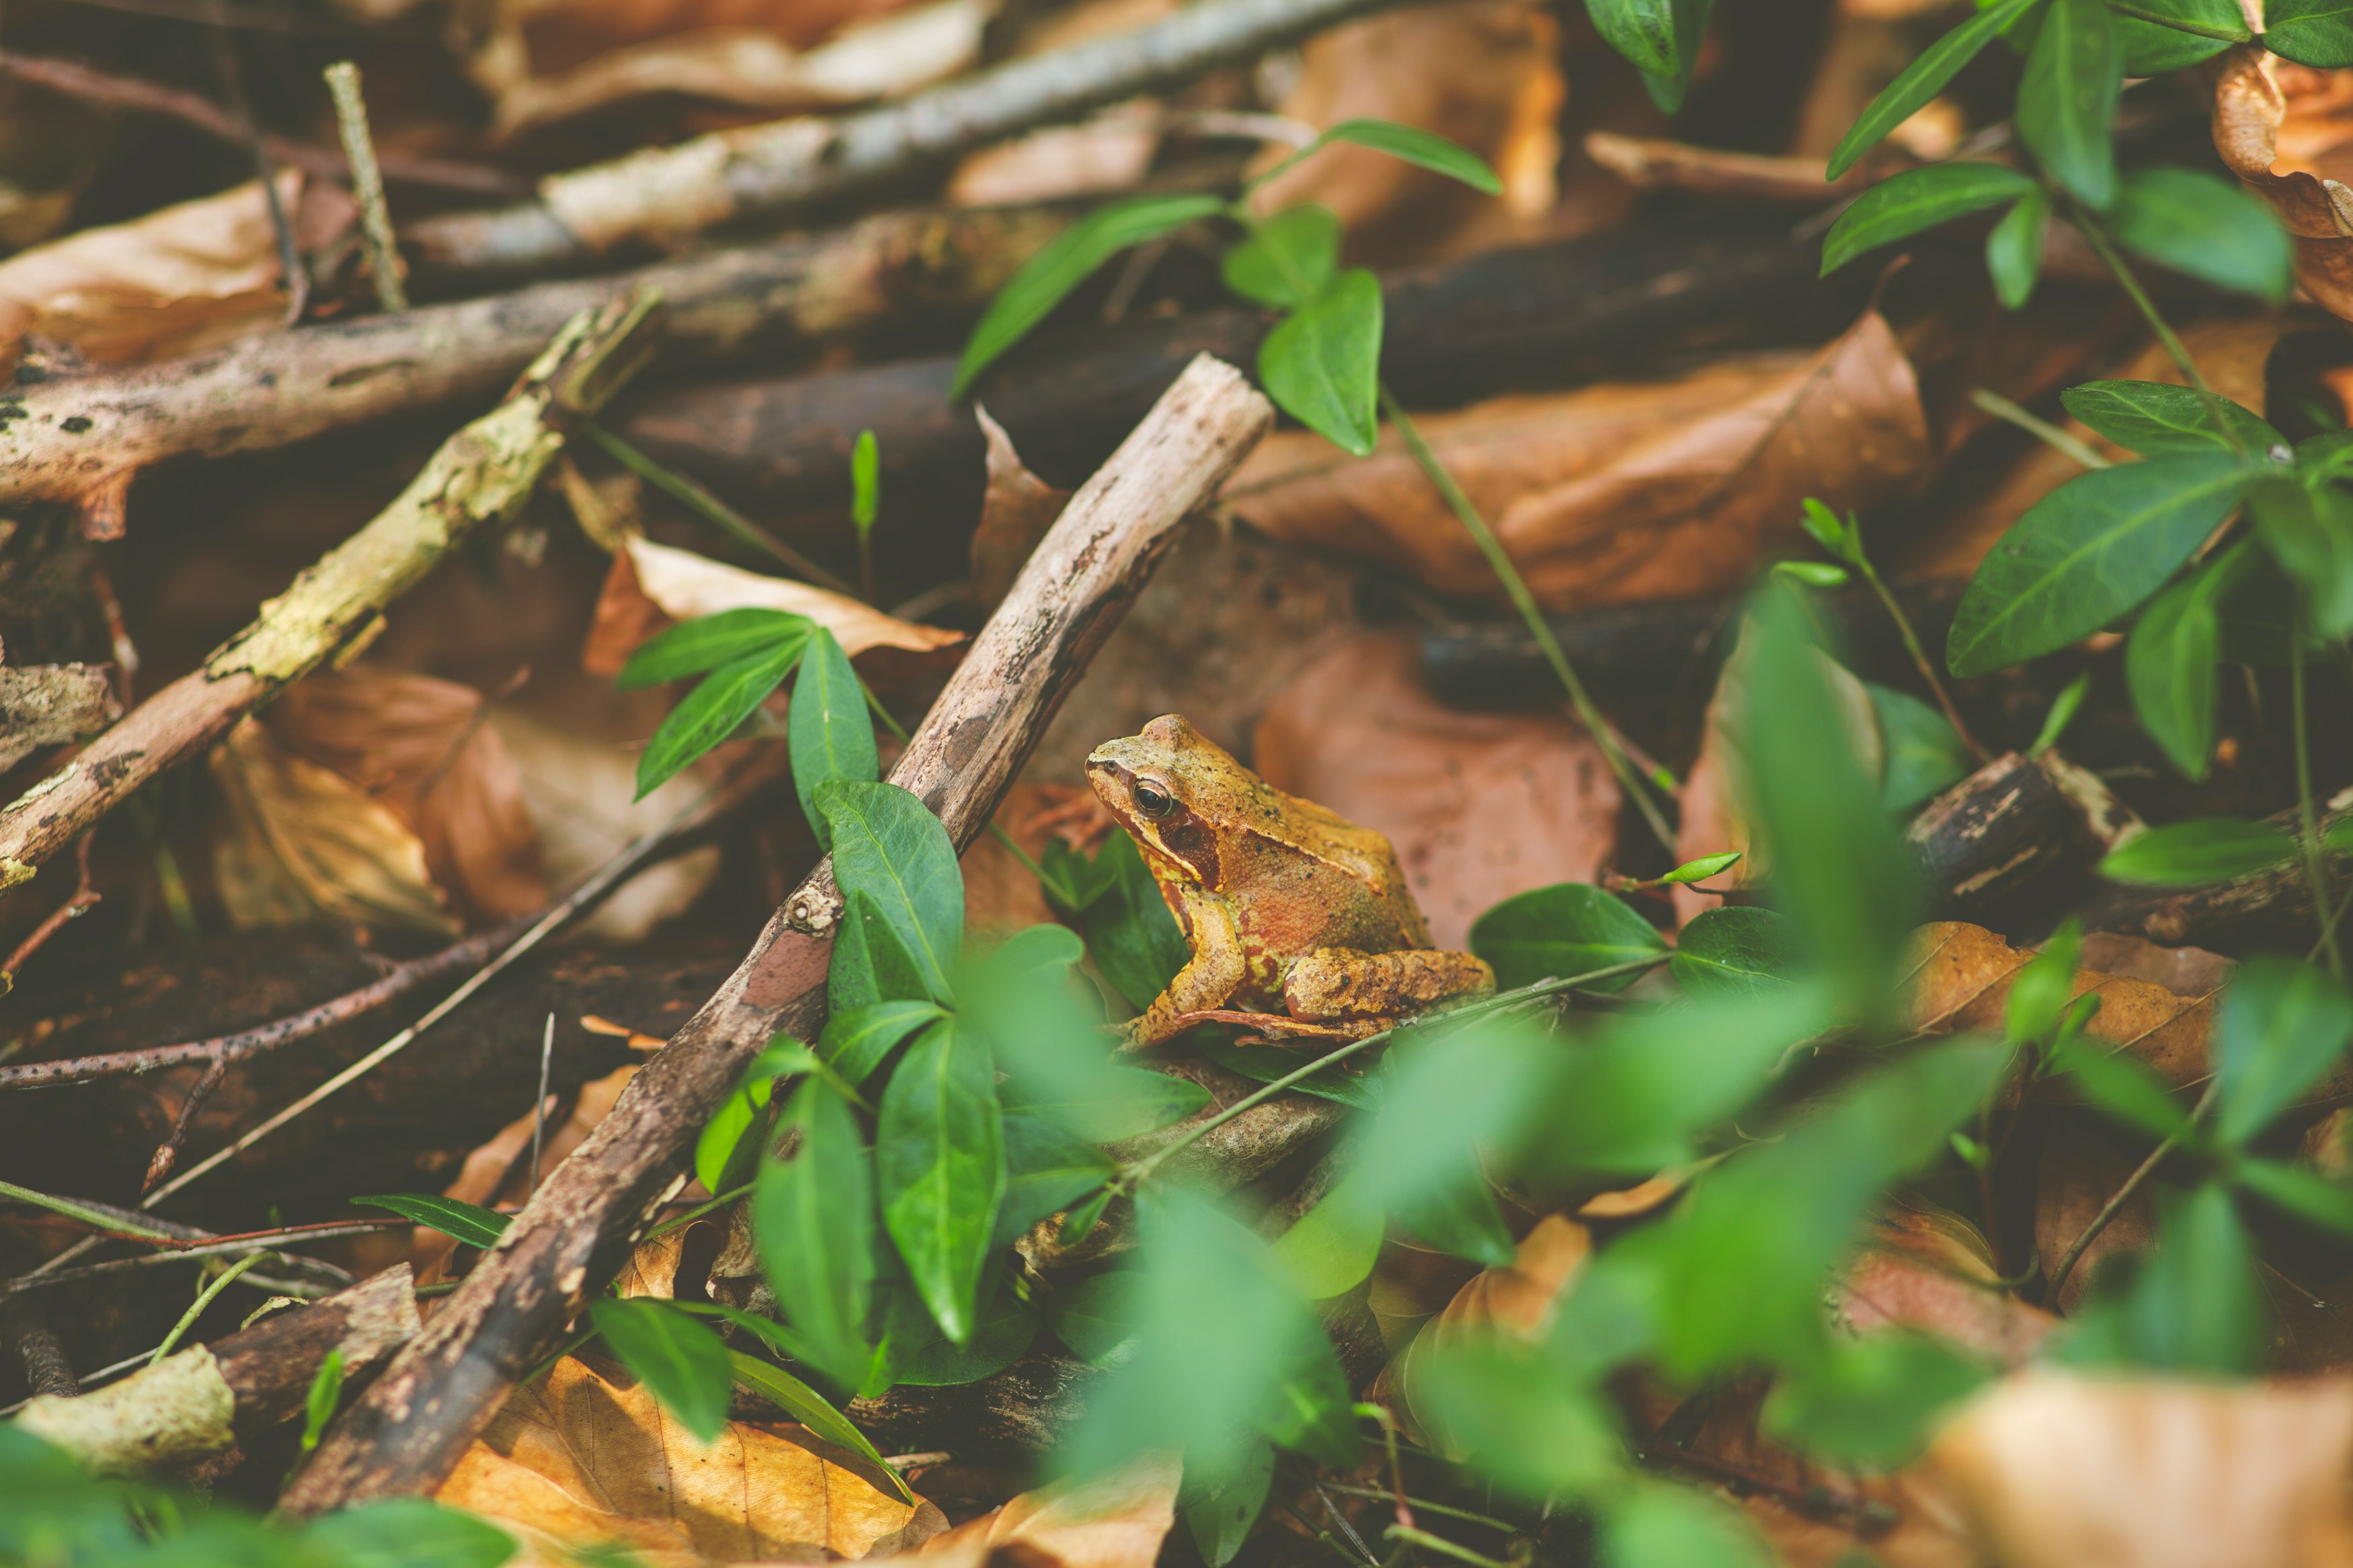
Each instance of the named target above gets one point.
<point>1117,1521</point>
<point>1517,1301</point>
<point>585,1457</point>
<point>2286,132</point>
<point>1618,492</point>
<point>498,1170</point>
<point>1015,513</point>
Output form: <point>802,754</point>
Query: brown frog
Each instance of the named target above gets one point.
<point>1300,921</point>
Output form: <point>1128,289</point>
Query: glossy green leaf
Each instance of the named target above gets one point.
<point>1813,573</point>
<point>2061,713</point>
<point>2147,48</point>
<point>872,963</point>
<point>2067,100</point>
<point>856,1043</point>
<point>2154,419</point>
<point>1567,929</point>
<point>1840,537</point>
<point>713,712</point>
<point>826,730</point>
<point>1660,38</point>
<point>680,1360</point>
<point>2172,664</point>
<point>1046,1171</point>
<point>1322,363</point>
<point>2282,1026</point>
<point>1737,953</point>
<point>813,1218</point>
<point>923,1357</point>
<point>812,1410</point>
<point>2305,1194</point>
<point>706,642</point>
<point>1923,79</point>
<point>1518,1421</point>
<point>1133,937</point>
<point>2088,553</point>
<point>1920,754</point>
<point>939,1157</point>
<point>889,848</point>
<point>400,1532</point>
<point>1905,204</point>
<point>2014,249</point>
<point>2207,227</point>
<point>1873,1400</point>
<point>720,1161</point>
<point>318,1404</point>
<point>1333,1246</point>
<point>2197,853</point>
<point>2316,33</point>
<point>469,1223</point>
<point>1422,148</point>
<point>1287,260</point>
<point>1665,1526</point>
<point>2309,532</point>
<point>2116,1082</point>
<point>1066,260</point>
<point>2193,1305</point>
<point>1097,1316</point>
<point>1701,869</point>
<point>2040,993</point>
<point>1267,1063</point>
<point>1218,1511</point>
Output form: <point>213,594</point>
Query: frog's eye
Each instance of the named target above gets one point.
<point>1152,800</point>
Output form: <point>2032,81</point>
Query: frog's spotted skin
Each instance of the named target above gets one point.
<point>1288,908</point>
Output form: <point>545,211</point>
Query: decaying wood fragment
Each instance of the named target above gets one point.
<point>416,1422</point>
<point>50,704</point>
<point>481,475</point>
<point>2265,910</point>
<point>2009,826</point>
<point>198,1402</point>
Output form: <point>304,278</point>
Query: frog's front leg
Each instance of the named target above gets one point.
<point>1213,973</point>
<point>1335,982</point>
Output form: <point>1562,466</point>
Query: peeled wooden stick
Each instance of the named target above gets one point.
<point>481,475</point>
<point>417,1421</point>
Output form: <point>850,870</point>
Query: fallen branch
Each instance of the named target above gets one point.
<point>197,1403</point>
<point>766,172</point>
<point>2268,910</point>
<point>82,438</point>
<point>481,475</point>
<point>411,1428</point>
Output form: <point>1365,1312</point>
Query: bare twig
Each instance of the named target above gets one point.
<point>290,255</point>
<point>2116,1200</point>
<point>168,1153</point>
<point>539,1106</point>
<point>411,1424</point>
<point>481,475</point>
<point>766,172</point>
<point>83,896</point>
<point>259,1244</point>
<point>386,269</point>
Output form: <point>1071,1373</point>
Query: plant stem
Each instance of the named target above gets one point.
<point>2042,430</point>
<point>1137,1174</point>
<point>2109,1210</point>
<point>1603,732</point>
<point>1440,1545</point>
<point>692,496</point>
<point>679,1222</point>
<point>204,1298</point>
<point>1440,1509</point>
<point>2089,228</point>
<point>1919,655</point>
<point>384,266</point>
<point>2315,869</point>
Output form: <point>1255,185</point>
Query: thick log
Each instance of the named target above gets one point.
<point>414,1424</point>
<point>2006,828</point>
<point>2267,912</point>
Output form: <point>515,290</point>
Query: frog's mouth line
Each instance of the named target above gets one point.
<point>1180,835</point>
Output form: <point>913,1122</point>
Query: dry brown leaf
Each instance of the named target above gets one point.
<point>1517,1301</point>
<point>652,585</point>
<point>1001,895</point>
<point>2085,1163</point>
<point>1118,1521</point>
<point>496,1171</point>
<point>1482,73</point>
<point>1928,1270</point>
<point>1478,806</point>
<point>585,1457</point>
<point>423,747</point>
<point>1015,513</point>
<point>2287,130</point>
<point>752,67</point>
<point>1109,151</point>
<point>169,283</point>
<point>302,843</point>
<point>556,37</point>
<point>2054,1471</point>
<point>1616,493</point>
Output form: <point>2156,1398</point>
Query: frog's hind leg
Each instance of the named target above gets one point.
<point>1341,983</point>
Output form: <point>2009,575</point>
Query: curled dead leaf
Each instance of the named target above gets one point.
<point>2286,132</point>
<point>1517,1301</point>
<point>1111,150</point>
<point>1117,1521</point>
<point>1015,513</point>
<point>1618,492</point>
<point>498,1170</point>
<point>1928,1270</point>
<point>585,1457</point>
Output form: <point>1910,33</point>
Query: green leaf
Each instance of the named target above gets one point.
<point>1873,1400</point>
<point>2147,48</point>
<point>2317,33</point>
<point>812,1410</point>
<point>1923,79</point>
<point>813,1218</point>
<point>2114,1080</point>
<point>1921,754</point>
<point>2308,1196</point>
<point>2086,553</point>
<point>1518,1420</point>
<point>1668,1526</point>
<point>2173,662</point>
<point>2040,993</point>
<point>1046,1171</point>
<point>1660,38</point>
<point>1567,929</point>
<point>2197,853</point>
<point>889,848</point>
<point>2154,419</point>
<point>865,483</point>
<point>680,1360</point>
<point>2282,1024</point>
<point>1333,1246</point>
<point>1131,935</point>
<point>1813,573</point>
<point>1064,262</point>
<point>826,730</point>
<point>705,643</point>
<point>2014,249</point>
<point>1737,953</point>
<point>1267,1063</point>
<point>1842,539</point>
<point>1096,1317</point>
<point>319,1404</point>
<point>2193,1305</point>
<point>857,1042</point>
<point>1288,260</point>
<point>922,1356</point>
<point>713,712</point>
<point>2206,227</point>
<point>939,1153</point>
<point>403,1533</point>
<point>2309,532</point>
<point>1903,204</point>
<point>2067,100</point>
<point>1322,363</point>
<point>469,1223</point>
<point>1219,1510</point>
<point>1701,869</point>
<point>1422,148</point>
<point>720,1146</point>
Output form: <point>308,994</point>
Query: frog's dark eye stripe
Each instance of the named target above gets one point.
<point>1152,800</point>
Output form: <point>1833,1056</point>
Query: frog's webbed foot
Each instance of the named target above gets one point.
<point>1338,983</point>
